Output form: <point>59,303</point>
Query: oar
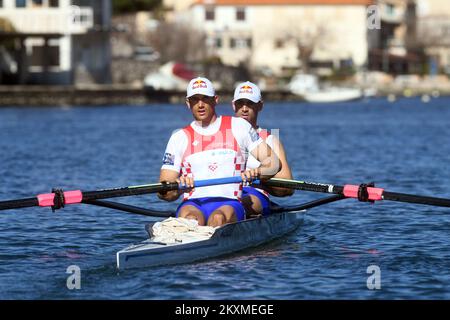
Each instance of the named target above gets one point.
<point>131,209</point>
<point>58,198</point>
<point>304,206</point>
<point>363,192</point>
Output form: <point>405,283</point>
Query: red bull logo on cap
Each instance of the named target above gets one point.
<point>246,89</point>
<point>199,84</point>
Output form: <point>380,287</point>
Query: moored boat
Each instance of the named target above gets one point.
<point>307,86</point>
<point>333,94</point>
<point>229,238</point>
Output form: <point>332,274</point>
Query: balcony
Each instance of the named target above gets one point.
<point>71,20</point>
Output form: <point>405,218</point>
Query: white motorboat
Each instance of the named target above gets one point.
<point>333,94</point>
<point>307,87</point>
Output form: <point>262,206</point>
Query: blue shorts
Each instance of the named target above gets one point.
<point>265,202</point>
<point>210,204</point>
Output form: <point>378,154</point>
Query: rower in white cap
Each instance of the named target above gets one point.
<point>213,147</point>
<point>247,103</point>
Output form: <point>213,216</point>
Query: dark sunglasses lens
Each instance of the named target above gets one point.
<point>194,100</point>
<point>241,103</point>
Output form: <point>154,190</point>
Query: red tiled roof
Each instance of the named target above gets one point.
<point>284,2</point>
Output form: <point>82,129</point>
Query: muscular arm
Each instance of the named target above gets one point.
<point>270,163</point>
<point>170,171</point>
<point>284,173</point>
<point>169,176</point>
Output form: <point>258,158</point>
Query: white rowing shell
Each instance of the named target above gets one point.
<point>227,239</point>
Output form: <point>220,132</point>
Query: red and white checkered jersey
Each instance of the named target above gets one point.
<point>217,151</point>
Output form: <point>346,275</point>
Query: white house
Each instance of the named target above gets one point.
<point>274,34</point>
<point>434,30</point>
<point>59,41</point>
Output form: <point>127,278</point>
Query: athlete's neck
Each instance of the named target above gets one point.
<point>254,122</point>
<point>206,123</point>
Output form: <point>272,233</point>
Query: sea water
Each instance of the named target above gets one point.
<point>343,250</point>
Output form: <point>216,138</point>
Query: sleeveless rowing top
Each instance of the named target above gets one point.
<point>213,156</point>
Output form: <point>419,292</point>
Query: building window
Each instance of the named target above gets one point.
<point>279,43</point>
<point>49,54</point>
<point>240,14</point>
<point>21,3</point>
<point>218,42</point>
<point>390,8</point>
<point>321,64</point>
<point>53,3</point>
<point>240,43</point>
<point>215,42</point>
<point>210,14</point>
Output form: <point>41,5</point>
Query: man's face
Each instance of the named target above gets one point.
<point>202,107</point>
<point>247,110</point>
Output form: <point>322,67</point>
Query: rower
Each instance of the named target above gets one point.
<point>247,103</point>
<point>213,147</point>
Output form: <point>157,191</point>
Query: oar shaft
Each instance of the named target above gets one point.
<point>131,209</point>
<point>128,191</point>
<point>153,188</point>
<point>403,197</point>
<point>19,203</point>
<point>303,185</point>
<point>351,191</point>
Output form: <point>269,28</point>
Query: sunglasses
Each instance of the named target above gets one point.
<point>196,99</point>
<point>245,102</point>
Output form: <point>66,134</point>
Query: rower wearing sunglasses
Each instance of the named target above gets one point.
<point>247,103</point>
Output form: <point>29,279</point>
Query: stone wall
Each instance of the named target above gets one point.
<point>130,71</point>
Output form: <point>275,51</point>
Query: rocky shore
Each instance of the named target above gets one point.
<point>98,95</point>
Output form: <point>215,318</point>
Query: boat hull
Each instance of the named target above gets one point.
<point>333,95</point>
<point>230,238</point>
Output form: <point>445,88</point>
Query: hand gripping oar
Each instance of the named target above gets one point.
<point>363,192</point>
<point>58,198</point>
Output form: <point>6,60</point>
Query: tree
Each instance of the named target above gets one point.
<point>178,42</point>
<point>6,25</point>
<point>306,38</point>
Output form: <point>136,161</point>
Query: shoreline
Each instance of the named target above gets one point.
<point>119,94</point>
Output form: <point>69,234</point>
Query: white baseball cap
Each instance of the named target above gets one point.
<point>247,90</point>
<point>200,86</point>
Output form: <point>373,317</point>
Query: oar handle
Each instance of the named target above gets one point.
<point>228,180</point>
